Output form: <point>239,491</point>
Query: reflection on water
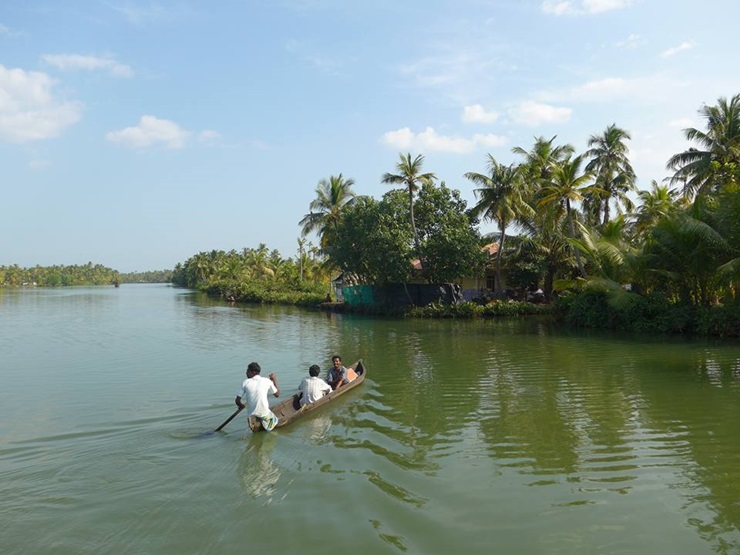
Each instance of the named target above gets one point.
<point>258,472</point>
<point>318,428</point>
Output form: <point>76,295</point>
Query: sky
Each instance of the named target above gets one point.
<point>135,134</point>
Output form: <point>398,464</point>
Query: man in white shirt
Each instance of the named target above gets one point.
<point>254,391</point>
<point>313,388</point>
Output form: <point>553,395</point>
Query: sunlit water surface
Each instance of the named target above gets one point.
<point>505,436</point>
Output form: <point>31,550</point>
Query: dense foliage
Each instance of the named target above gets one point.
<point>153,276</point>
<point>56,276</point>
<point>488,310</point>
<point>668,263</point>
<point>255,275</point>
<point>376,244</point>
<point>87,274</point>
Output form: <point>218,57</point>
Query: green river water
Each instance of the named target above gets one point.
<point>504,437</point>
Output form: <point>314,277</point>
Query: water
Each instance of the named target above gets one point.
<point>467,436</point>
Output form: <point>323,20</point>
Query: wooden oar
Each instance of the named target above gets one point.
<point>229,419</point>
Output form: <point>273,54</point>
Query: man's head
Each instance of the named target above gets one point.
<point>336,361</point>
<point>314,370</point>
<point>253,369</point>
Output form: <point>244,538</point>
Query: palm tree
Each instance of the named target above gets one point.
<point>612,168</point>
<point>409,174</point>
<point>541,157</point>
<point>332,197</point>
<point>567,185</point>
<point>658,203</point>
<point>301,247</point>
<point>689,253</point>
<point>702,170</point>
<point>501,199</point>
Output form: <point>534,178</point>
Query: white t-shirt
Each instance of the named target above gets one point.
<point>254,392</point>
<point>313,389</point>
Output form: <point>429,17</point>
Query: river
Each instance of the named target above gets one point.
<point>503,436</point>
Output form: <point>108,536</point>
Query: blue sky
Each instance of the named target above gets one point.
<point>136,134</point>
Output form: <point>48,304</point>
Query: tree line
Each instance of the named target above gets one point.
<point>75,275</point>
<point>257,275</point>
<point>578,226</point>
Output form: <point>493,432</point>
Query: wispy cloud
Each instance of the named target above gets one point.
<point>533,113</point>
<point>38,164</point>
<point>608,89</point>
<point>632,41</point>
<point>209,137</point>
<point>28,109</point>
<point>153,12</point>
<point>430,140</point>
<point>151,131</point>
<point>684,46</point>
<point>77,62</point>
<point>682,123</point>
<point>460,71</point>
<point>582,7</point>
<point>478,114</point>
<point>326,64</point>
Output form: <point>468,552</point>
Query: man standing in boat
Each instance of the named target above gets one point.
<point>336,377</point>
<point>313,388</point>
<point>254,391</point>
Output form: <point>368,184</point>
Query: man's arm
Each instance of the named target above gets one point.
<point>239,402</point>
<point>277,388</point>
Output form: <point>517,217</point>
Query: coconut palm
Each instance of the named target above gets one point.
<point>612,169</point>
<point>501,199</point>
<point>567,185</point>
<point>688,253</point>
<point>701,170</point>
<point>541,157</point>
<point>332,197</point>
<point>660,201</point>
<point>409,175</point>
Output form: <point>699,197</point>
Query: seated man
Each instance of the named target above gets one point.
<point>313,388</point>
<point>336,377</point>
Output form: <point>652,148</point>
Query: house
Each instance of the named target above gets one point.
<point>417,291</point>
<point>479,287</point>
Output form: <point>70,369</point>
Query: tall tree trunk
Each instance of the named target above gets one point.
<point>417,246</point>
<point>499,278</point>
<point>581,269</point>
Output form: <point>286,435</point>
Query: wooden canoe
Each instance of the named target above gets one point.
<point>290,410</point>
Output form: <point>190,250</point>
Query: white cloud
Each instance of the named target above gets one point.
<point>28,110</point>
<point>536,113</point>
<point>477,114</point>
<point>430,140</point>
<point>686,45</point>
<point>149,132</point>
<point>74,62</point>
<point>582,7</point>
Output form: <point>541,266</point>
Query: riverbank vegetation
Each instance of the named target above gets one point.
<point>76,275</point>
<point>57,276</point>
<point>666,259</point>
<point>257,275</point>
